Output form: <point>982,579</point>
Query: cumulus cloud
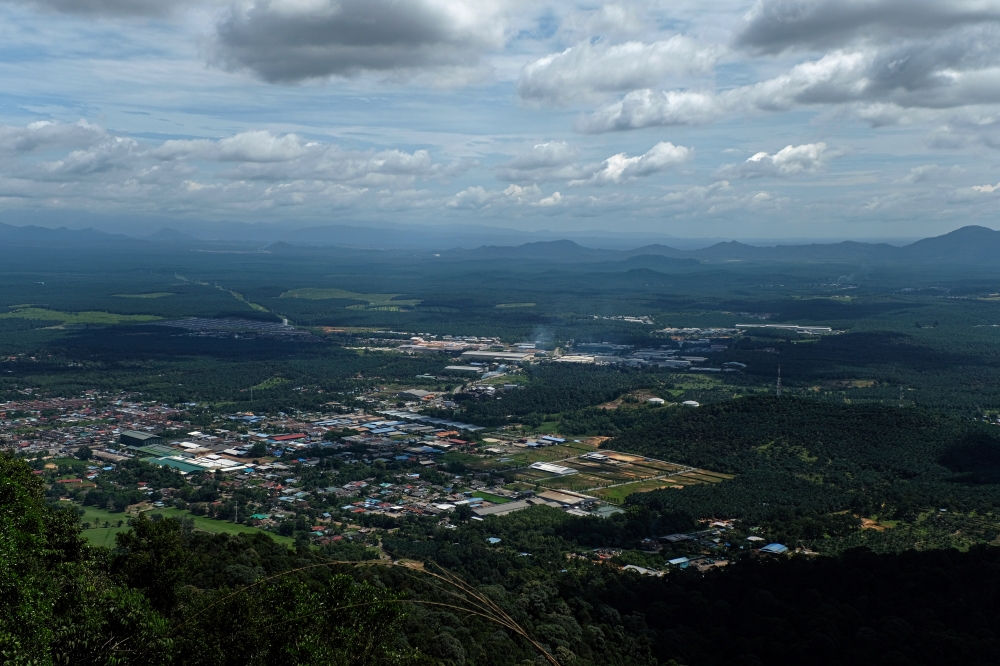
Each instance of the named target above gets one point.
<point>621,168</point>
<point>261,155</point>
<point>902,77</point>
<point>969,128</point>
<point>697,193</point>
<point>478,197</point>
<point>986,189</point>
<point>720,198</point>
<point>789,161</point>
<point>927,172</point>
<point>285,41</point>
<point>44,134</point>
<point>772,26</point>
<point>553,200</point>
<point>557,160</point>
<point>892,62</point>
<point>589,71</point>
<point>253,170</point>
<point>545,161</point>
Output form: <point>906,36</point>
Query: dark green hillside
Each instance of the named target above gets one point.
<point>806,467</point>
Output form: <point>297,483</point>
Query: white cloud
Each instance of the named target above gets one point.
<point>900,77</point>
<point>261,155</point>
<point>478,197</point>
<point>554,200</point>
<point>645,108</point>
<point>972,128</point>
<point>927,172</point>
<point>558,161</point>
<point>697,194</point>
<point>986,189</point>
<point>553,160</point>
<point>621,168</point>
<point>295,40</point>
<point>44,135</point>
<point>255,170</point>
<point>791,160</point>
<point>589,71</point>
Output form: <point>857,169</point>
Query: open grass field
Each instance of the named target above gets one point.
<point>218,526</point>
<point>93,515</point>
<point>272,382</point>
<point>91,317</point>
<point>464,458</point>
<point>618,494</point>
<point>548,428</point>
<point>97,534</point>
<point>75,464</point>
<point>103,536</point>
<point>496,499</point>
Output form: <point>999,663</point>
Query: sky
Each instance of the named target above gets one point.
<point>742,119</point>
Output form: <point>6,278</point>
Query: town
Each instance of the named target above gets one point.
<point>347,474</point>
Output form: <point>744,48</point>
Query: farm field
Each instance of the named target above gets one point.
<point>89,317</point>
<point>618,493</point>
<point>620,476</point>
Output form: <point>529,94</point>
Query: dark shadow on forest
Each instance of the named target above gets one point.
<point>122,343</point>
<point>836,354</point>
<point>975,458</point>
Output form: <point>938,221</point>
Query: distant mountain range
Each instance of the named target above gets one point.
<point>970,245</point>
<point>357,234</point>
<point>32,236</point>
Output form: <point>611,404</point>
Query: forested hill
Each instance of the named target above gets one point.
<point>806,436</point>
<point>799,461</point>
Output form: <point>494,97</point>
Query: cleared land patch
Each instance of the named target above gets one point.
<point>90,317</point>
<point>373,300</point>
<point>273,382</point>
<point>155,294</point>
<point>615,476</point>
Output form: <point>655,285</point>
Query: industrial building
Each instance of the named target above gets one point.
<point>514,357</point>
<point>134,438</point>
<point>552,469</point>
<point>794,328</point>
<point>414,394</point>
<point>464,369</point>
<point>511,507</point>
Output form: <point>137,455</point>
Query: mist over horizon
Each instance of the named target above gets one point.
<point>155,227</point>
